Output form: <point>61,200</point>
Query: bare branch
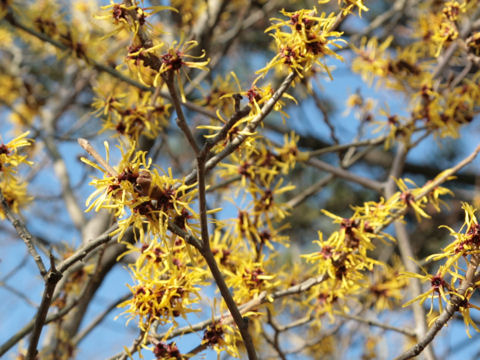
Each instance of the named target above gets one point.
<point>181,120</point>
<point>347,175</point>
<point>371,322</point>
<point>86,249</point>
<point>89,149</point>
<point>29,327</point>
<point>51,280</point>
<point>81,335</point>
<point>24,234</point>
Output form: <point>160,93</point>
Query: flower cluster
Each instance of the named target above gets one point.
<point>386,289</point>
<point>150,62</point>
<point>441,111</point>
<point>166,279</point>
<point>139,196</point>
<point>344,258</point>
<point>447,29</point>
<point>129,15</point>
<point>445,112</point>
<point>441,105</point>
<point>166,283</point>
<point>260,171</point>
<point>14,190</point>
<point>167,351</point>
<point>153,64</point>
<point>452,283</point>
<point>140,113</point>
<point>46,20</point>
<point>349,5</point>
<point>303,40</point>
<point>228,236</point>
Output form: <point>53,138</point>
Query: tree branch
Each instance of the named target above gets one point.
<point>379,324</point>
<point>181,120</point>
<point>29,327</point>
<point>24,234</point>
<point>347,175</point>
<point>51,280</point>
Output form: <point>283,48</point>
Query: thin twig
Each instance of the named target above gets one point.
<point>80,336</point>
<point>347,175</point>
<point>275,345</point>
<point>225,183</point>
<point>17,293</point>
<point>24,234</point>
<point>311,190</point>
<point>133,348</point>
<point>276,336</point>
<point>462,75</point>
<point>18,267</point>
<point>326,119</point>
<point>379,324</point>
<point>296,323</point>
<point>85,144</point>
<point>181,120</point>
<point>86,249</point>
<point>341,147</point>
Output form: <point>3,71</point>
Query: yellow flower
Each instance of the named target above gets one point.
<point>130,17</point>
<point>371,61</point>
<point>131,116</point>
<point>162,298</point>
<point>302,41</point>
<point>439,288</point>
<point>464,309</point>
<point>9,156</point>
<point>447,31</point>
<point>348,5</point>
<point>264,197</point>
<point>466,245</point>
<point>467,240</point>
<point>408,197</point>
<point>140,196</point>
<point>385,289</point>
<point>15,194</point>
<point>177,58</point>
<point>14,190</point>
<point>249,279</point>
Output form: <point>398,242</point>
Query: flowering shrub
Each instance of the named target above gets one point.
<point>200,172</point>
